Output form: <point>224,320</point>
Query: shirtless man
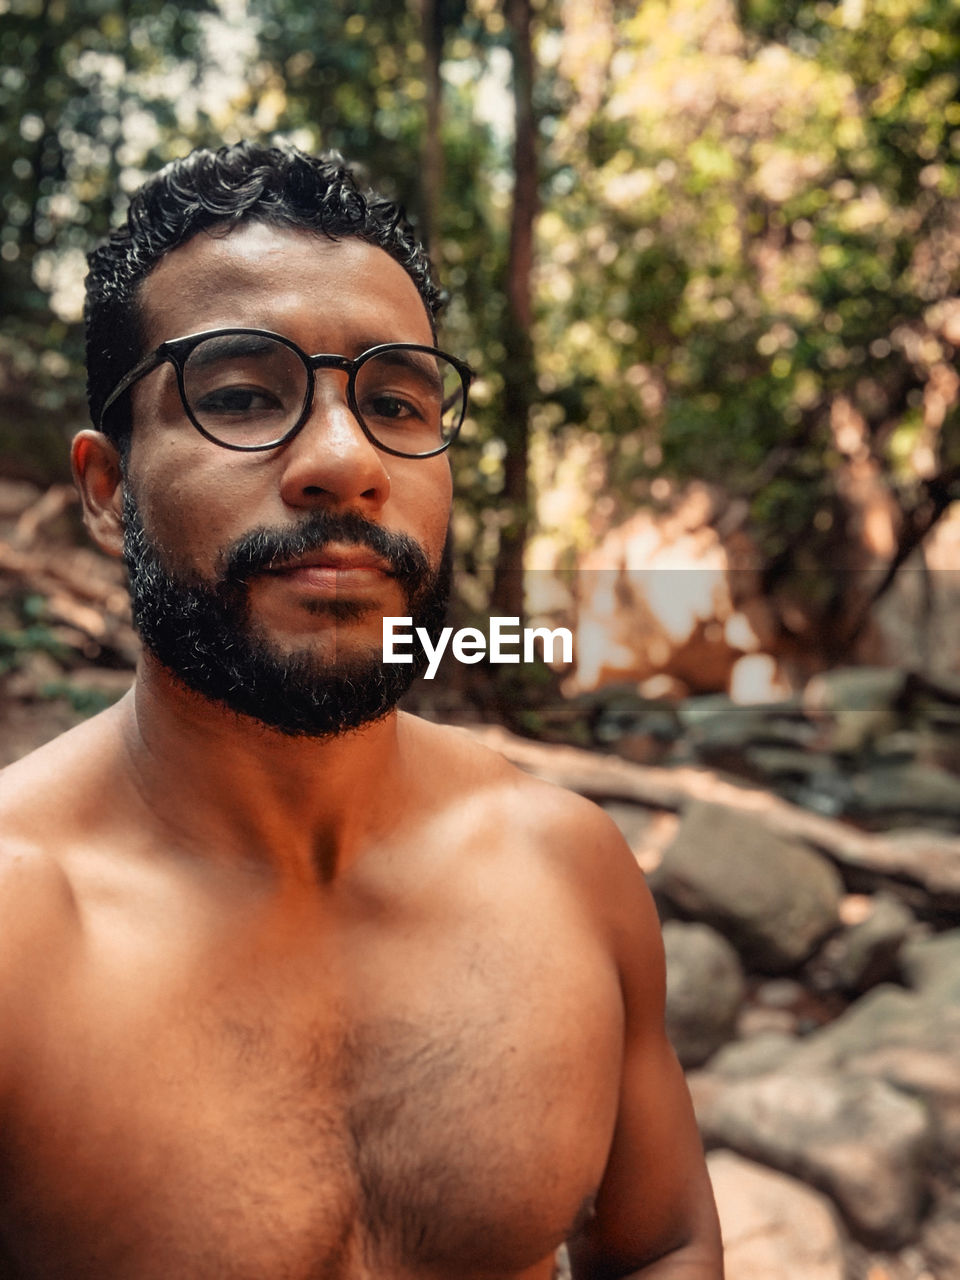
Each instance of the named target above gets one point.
<point>293,985</point>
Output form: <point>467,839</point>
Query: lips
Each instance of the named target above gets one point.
<point>335,559</point>
<point>338,571</point>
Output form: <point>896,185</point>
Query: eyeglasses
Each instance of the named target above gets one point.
<point>250,389</point>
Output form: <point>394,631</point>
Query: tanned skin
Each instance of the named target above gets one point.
<point>376,1006</point>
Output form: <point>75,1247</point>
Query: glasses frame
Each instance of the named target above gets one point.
<point>177,351</point>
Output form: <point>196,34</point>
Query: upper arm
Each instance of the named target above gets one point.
<point>655,1198</point>
<point>35,898</point>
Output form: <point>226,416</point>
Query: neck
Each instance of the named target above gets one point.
<point>230,789</point>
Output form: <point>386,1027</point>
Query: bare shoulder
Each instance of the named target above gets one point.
<point>34,892</point>
<point>38,909</point>
<point>38,914</point>
<point>472,766</point>
<point>46,782</point>
<point>43,801</point>
<point>32,801</point>
<point>569,835</point>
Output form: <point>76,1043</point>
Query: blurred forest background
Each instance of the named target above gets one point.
<point>705,258</point>
<point>704,254</point>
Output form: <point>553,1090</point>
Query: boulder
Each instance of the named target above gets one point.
<point>941,1239</point>
<point>929,858</point>
<point>866,689</point>
<point>858,1139</point>
<point>903,794</point>
<point>909,1039</point>
<point>705,989</point>
<point>780,993</point>
<point>932,965</point>
<point>648,832</point>
<point>772,896</point>
<point>756,1020</point>
<point>634,821</point>
<point>768,1050</point>
<point>866,953</point>
<point>773,1227</point>
<point>886,1020</point>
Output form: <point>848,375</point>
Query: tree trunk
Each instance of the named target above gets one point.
<point>518,371</point>
<point>940,493</point>
<point>431,28</point>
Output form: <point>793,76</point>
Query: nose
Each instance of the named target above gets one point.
<point>330,461</point>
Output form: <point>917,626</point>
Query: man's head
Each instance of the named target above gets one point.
<point>260,572</point>
<point>279,186</point>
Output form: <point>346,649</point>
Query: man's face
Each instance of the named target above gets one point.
<point>261,579</point>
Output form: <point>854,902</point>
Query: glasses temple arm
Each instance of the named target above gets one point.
<point>145,366</point>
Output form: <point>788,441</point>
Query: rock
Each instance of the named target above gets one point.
<point>780,993</point>
<point>941,1239</point>
<point>648,832</point>
<point>888,795</point>
<point>633,820</point>
<point>858,1139</point>
<point>805,1009</point>
<point>932,965</point>
<point>772,896</point>
<point>624,716</point>
<point>931,859</point>
<point>927,745</point>
<point>779,766</point>
<point>885,1020</point>
<point>755,1020</point>
<point>705,989</point>
<point>773,1227</point>
<point>868,689</point>
<point>867,953</point>
<point>909,1039</point>
<point>761,740</point>
<point>944,687</point>
<point>908,1263</point>
<point>763,1052</point>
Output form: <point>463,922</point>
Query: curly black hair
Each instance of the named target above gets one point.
<point>279,185</point>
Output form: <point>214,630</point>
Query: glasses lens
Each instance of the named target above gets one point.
<point>410,401</point>
<point>244,389</point>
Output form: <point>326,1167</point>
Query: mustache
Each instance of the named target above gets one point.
<point>258,550</point>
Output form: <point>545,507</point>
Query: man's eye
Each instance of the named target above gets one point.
<point>389,407</point>
<point>238,400</point>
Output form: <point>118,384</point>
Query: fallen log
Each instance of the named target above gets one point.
<point>929,859</point>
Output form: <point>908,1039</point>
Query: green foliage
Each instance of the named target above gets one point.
<point>768,223</point>
<point>84,701</point>
<point>17,645</point>
<point>749,216</point>
<point>88,95</point>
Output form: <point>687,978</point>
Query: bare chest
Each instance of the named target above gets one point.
<point>423,1116</point>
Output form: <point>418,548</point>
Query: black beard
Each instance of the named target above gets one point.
<point>201,631</point>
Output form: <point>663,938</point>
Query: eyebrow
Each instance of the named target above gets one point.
<point>420,362</point>
<point>230,345</point>
<point>367,341</point>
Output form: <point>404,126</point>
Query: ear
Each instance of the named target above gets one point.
<point>98,476</point>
